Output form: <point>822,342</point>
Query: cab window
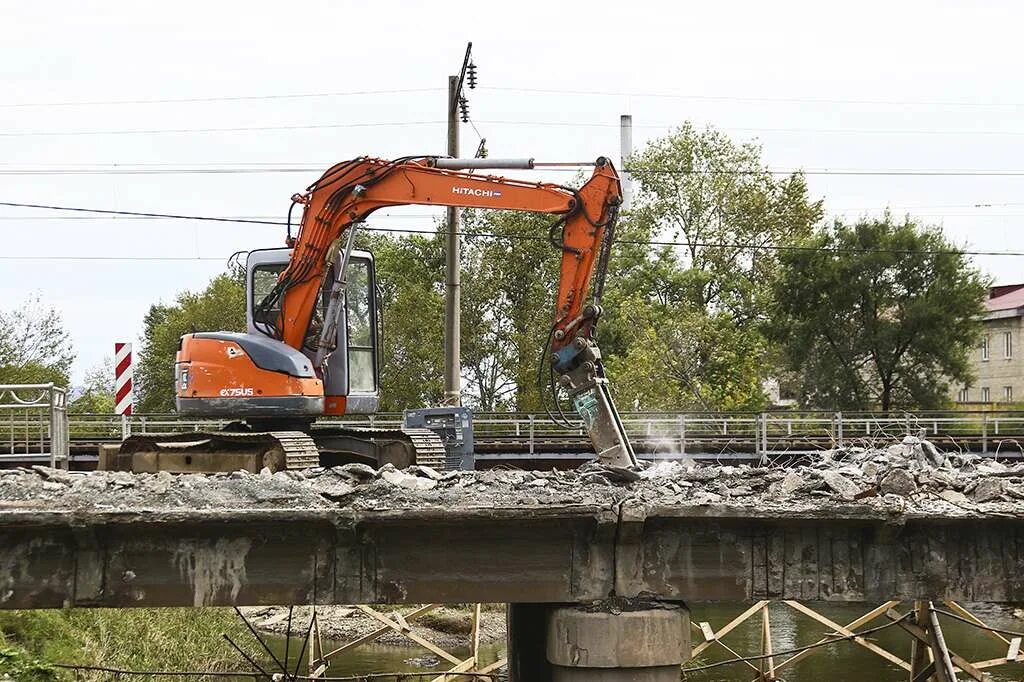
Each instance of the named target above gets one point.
<point>264,278</point>
<point>361,342</point>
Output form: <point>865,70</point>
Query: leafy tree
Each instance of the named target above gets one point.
<point>35,347</point>
<point>508,293</point>
<point>685,322</point>
<point>97,395</point>
<point>410,276</point>
<point>879,313</point>
<point>219,307</point>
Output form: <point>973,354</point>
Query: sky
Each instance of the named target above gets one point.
<point>105,103</point>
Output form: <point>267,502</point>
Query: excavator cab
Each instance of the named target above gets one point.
<point>350,374</point>
<point>253,375</point>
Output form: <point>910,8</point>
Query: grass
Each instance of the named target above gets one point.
<point>133,639</point>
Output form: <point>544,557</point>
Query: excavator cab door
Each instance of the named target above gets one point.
<point>350,373</point>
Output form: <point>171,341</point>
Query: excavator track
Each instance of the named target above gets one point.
<point>400,447</point>
<point>211,451</point>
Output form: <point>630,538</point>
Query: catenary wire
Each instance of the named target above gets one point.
<point>525,90</point>
<point>228,98</point>
<point>118,169</point>
<point>508,122</point>
<point>740,98</point>
<point>239,129</point>
<point>491,235</point>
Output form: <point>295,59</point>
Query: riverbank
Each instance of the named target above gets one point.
<point>449,627</point>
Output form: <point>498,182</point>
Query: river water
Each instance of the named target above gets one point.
<point>840,662</point>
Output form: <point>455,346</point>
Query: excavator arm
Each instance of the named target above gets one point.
<point>350,191</point>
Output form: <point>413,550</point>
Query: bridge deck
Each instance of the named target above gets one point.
<point>715,533</point>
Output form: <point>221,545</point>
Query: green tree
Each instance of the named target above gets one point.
<point>686,320</point>
<point>508,292</point>
<point>97,396</point>
<point>219,307</point>
<point>410,276</point>
<point>35,347</point>
<point>879,313</point>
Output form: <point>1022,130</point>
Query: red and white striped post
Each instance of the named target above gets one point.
<point>123,396</point>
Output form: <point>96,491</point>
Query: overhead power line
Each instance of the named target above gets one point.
<point>521,90</point>
<point>228,98</point>
<point>828,131</point>
<point>508,122</point>
<point>251,169</point>
<point>237,129</point>
<point>489,235</point>
<point>743,98</point>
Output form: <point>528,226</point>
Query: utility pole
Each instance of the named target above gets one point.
<point>626,151</point>
<point>458,107</point>
<point>452,282</point>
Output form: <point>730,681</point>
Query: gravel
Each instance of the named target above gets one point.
<point>907,477</point>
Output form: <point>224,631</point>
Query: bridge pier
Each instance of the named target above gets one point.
<point>613,641</point>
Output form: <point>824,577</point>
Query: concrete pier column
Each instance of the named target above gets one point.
<point>609,642</point>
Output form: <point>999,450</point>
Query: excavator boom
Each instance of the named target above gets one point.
<point>285,370</point>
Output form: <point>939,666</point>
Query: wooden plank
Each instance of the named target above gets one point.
<point>919,651</point>
<point>401,621</point>
<point>371,636</point>
<point>993,662</point>
<point>729,627</point>
<point>874,648</point>
<point>941,653</point>
<point>497,665</point>
<point>922,635</point>
<point>474,650</point>
<point>964,613</point>
<point>766,644</point>
<point>1014,650</point>
<point>926,673</point>
<point>866,618</point>
<point>429,646</point>
<point>461,667</point>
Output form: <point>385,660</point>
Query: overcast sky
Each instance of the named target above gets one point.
<point>840,86</point>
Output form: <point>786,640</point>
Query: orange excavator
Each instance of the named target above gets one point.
<point>311,346</point>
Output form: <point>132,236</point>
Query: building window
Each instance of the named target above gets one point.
<point>984,348</point>
<point>1007,344</point>
<point>984,394</point>
<point>963,396</point>
<point>1007,394</point>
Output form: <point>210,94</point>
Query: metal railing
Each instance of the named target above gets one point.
<point>673,434</point>
<point>34,423</point>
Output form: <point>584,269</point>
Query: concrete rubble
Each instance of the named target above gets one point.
<point>910,476</point>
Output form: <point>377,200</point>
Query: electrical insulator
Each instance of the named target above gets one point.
<point>464,106</point>
<point>472,76</point>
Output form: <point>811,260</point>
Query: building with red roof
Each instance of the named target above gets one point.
<point>998,359</point>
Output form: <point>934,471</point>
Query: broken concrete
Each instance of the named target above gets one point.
<point>853,525</point>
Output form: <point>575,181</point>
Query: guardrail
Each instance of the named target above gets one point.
<point>34,423</point>
<point>671,434</point>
